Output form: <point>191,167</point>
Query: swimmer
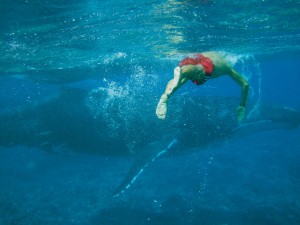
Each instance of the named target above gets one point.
<point>199,69</point>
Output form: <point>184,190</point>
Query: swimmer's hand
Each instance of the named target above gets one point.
<point>161,109</point>
<point>240,112</point>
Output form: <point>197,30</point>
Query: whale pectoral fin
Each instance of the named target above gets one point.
<point>153,151</point>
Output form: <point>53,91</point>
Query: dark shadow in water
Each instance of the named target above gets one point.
<point>139,216</point>
<point>176,211</point>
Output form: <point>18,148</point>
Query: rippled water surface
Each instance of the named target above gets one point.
<point>51,36</point>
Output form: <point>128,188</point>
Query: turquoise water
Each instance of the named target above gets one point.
<point>79,139</point>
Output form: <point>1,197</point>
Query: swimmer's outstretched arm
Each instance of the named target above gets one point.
<point>172,86</point>
<point>244,85</point>
<point>244,93</point>
<point>175,83</point>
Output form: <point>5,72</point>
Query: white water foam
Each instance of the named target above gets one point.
<point>124,104</point>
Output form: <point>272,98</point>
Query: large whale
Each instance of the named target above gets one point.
<point>99,122</point>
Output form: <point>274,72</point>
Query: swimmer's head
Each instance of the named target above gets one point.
<point>200,70</point>
<point>191,71</point>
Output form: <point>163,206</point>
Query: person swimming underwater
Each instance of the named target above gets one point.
<point>200,68</point>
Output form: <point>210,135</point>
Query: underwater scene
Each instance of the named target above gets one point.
<point>89,131</point>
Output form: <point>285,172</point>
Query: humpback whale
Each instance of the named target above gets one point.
<point>95,123</point>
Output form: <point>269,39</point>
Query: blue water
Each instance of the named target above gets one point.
<point>79,83</point>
